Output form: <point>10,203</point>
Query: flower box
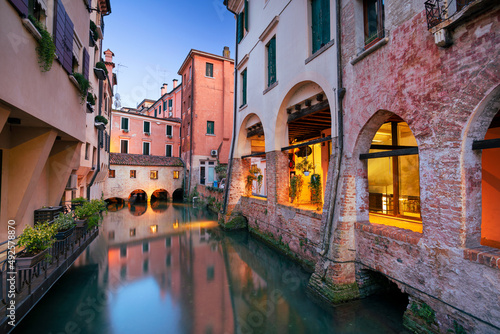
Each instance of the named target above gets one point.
<point>61,235</point>
<point>27,262</point>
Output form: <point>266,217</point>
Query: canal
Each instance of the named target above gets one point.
<point>168,268</point>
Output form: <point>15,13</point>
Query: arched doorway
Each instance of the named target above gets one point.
<point>178,195</point>
<point>252,146</point>
<point>303,130</point>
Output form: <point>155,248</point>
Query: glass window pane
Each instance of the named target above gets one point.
<point>409,187</point>
<point>380,184</point>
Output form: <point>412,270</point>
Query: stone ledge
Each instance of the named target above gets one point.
<point>308,213</point>
<point>392,232</point>
<point>483,255</point>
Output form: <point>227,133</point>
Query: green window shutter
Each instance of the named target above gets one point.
<point>325,22</point>
<point>210,127</point>
<point>246,15</point>
<point>244,84</point>
<point>240,27</point>
<point>316,24</point>
<point>271,61</point>
<point>169,130</point>
<point>147,126</point>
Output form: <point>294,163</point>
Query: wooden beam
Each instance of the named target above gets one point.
<point>312,142</point>
<point>307,111</point>
<point>389,147</point>
<point>256,132</point>
<point>485,144</point>
<point>258,154</point>
<point>393,153</point>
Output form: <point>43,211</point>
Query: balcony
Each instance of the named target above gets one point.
<point>442,14</point>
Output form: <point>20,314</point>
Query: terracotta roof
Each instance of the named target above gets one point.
<point>143,160</point>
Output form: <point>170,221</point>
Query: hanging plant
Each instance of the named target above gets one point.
<point>102,66</point>
<point>254,172</point>
<point>46,48</point>
<point>101,119</point>
<point>83,84</point>
<point>93,28</point>
<point>91,99</point>
<point>316,190</point>
<point>295,189</point>
<point>259,182</point>
<point>305,166</point>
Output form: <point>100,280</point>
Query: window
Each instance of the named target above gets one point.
<point>176,174</point>
<point>244,87</point>
<point>145,247</point>
<point>123,251</point>
<point>36,10</point>
<point>111,236</point>
<point>111,174</point>
<point>190,73</point>
<point>156,112</point>
<point>168,242</point>
<point>125,124</point>
<point>242,23</point>
<point>209,70</point>
<point>164,105</point>
<point>123,146</point>
<point>168,150</point>
<point>153,229</point>
<point>271,61</point>
<point>145,148</point>
<point>393,174</point>
<point>169,131</point>
<point>373,18</point>
<point>132,173</point>
<point>170,104</point>
<point>63,36</point>
<point>159,109</point>
<point>132,232</point>
<point>320,23</point>
<point>210,128</point>
<point>153,175</point>
<point>87,148</point>
<point>147,127</point>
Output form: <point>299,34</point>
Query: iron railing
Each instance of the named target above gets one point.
<point>437,11</point>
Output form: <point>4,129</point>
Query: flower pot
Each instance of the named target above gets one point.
<point>99,73</point>
<point>306,173</point>
<point>100,125</point>
<point>81,223</point>
<point>26,262</point>
<point>61,235</point>
<point>90,108</point>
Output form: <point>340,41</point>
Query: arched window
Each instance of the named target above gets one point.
<point>393,176</point>
<point>490,184</point>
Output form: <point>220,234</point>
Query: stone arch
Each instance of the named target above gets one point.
<point>471,163</point>
<point>178,195</point>
<point>251,124</point>
<point>138,195</point>
<point>159,194</point>
<point>361,182</point>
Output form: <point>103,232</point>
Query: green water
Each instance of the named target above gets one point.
<point>168,268</point>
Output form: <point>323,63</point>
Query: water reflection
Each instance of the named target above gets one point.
<point>174,271</point>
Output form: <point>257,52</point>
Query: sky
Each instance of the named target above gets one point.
<point>151,39</point>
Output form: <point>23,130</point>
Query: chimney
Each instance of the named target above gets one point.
<point>175,83</point>
<point>108,56</point>
<point>226,53</point>
<point>164,89</point>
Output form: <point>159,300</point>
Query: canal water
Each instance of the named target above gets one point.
<point>168,268</point>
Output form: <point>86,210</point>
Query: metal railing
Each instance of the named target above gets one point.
<point>436,11</point>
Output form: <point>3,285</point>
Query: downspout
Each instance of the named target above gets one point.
<point>340,120</point>
<point>99,135</point>
<point>191,134</point>
<point>231,154</point>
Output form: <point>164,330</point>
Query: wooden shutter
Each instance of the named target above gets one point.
<point>85,64</point>
<point>170,103</point>
<point>244,99</point>
<point>271,61</point>
<point>240,27</point>
<point>246,15</point>
<point>165,106</point>
<point>68,45</point>
<point>21,6</point>
<point>316,25</point>
<point>60,22</point>
<point>325,22</point>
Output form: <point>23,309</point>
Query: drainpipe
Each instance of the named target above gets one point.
<point>332,208</point>
<point>99,135</point>
<point>191,134</point>
<point>230,161</point>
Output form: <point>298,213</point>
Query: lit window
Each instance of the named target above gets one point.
<point>111,174</point>
<point>176,174</point>
<point>132,232</point>
<point>153,175</point>
<point>132,173</point>
<point>153,229</point>
<point>393,175</point>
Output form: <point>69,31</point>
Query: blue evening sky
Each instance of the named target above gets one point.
<point>153,37</point>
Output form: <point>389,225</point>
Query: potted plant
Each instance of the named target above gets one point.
<point>90,212</point>
<point>90,102</point>
<point>296,183</point>
<point>100,70</point>
<point>100,122</point>
<point>93,29</point>
<point>304,166</point>
<point>36,242</point>
<point>316,190</point>
<point>254,172</point>
<point>65,225</point>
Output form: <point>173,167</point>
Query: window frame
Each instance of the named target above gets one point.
<point>369,40</point>
<point>144,143</point>
<point>213,127</point>
<point>121,145</point>
<point>209,70</point>
<point>271,62</point>
<point>167,127</point>
<point>111,173</point>
<point>244,87</point>
<point>127,128</point>
<point>321,25</point>
<point>171,150</point>
<point>153,174</point>
<point>144,127</point>
<point>133,173</point>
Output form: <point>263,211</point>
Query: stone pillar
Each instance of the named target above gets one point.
<point>277,178</point>
<point>236,186</point>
